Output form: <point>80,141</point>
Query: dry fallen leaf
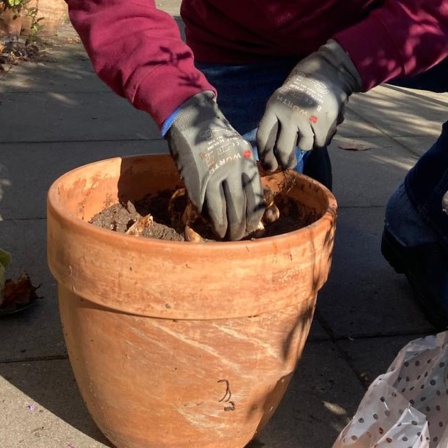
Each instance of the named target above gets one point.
<point>18,295</point>
<point>354,146</point>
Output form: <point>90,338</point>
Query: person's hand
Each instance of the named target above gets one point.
<point>217,166</point>
<point>306,109</point>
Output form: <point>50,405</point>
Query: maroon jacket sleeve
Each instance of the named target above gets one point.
<point>399,38</point>
<point>137,50</point>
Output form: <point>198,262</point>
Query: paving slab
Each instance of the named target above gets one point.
<point>45,409</point>
<point>356,126</point>
<point>60,98</point>
<point>370,357</point>
<point>418,145</point>
<point>73,116</point>
<point>36,332</point>
<point>66,68</point>
<point>323,396</point>
<point>364,296</point>
<point>398,111</point>
<point>317,331</point>
<point>367,177</point>
<point>60,74</point>
<point>30,168</point>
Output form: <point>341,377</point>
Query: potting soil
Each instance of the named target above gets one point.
<point>159,216</point>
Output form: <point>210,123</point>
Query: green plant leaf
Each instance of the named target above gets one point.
<point>5,258</point>
<point>15,5</point>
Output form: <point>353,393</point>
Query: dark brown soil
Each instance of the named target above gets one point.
<point>120,217</point>
<point>156,216</point>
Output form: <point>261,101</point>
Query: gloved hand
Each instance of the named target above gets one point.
<point>306,109</point>
<point>217,166</point>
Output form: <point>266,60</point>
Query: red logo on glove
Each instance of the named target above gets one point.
<point>313,119</point>
<point>247,154</point>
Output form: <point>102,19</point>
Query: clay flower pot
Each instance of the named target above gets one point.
<point>176,344</point>
<point>10,23</point>
<point>53,14</point>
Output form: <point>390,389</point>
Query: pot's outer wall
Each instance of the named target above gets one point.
<point>181,345</point>
<point>165,383</point>
<point>175,279</point>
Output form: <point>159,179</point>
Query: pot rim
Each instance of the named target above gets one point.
<point>65,215</point>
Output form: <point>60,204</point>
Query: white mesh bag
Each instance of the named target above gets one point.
<point>407,407</point>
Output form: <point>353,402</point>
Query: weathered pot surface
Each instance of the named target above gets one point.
<point>176,344</point>
<point>10,24</point>
<point>51,14</point>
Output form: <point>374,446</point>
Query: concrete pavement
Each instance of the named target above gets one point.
<point>57,115</point>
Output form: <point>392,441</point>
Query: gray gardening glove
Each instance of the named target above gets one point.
<point>306,109</point>
<point>218,167</point>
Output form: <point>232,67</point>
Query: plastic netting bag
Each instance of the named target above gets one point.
<point>407,407</point>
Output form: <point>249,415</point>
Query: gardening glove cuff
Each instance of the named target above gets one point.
<point>306,109</point>
<point>217,166</point>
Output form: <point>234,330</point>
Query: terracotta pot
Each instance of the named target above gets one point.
<point>177,344</point>
<point>10,23</point>
<point>53,12</point>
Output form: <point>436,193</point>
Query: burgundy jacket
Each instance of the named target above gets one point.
<point>137,49</point>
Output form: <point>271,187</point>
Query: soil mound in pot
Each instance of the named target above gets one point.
<point>168,215</point>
